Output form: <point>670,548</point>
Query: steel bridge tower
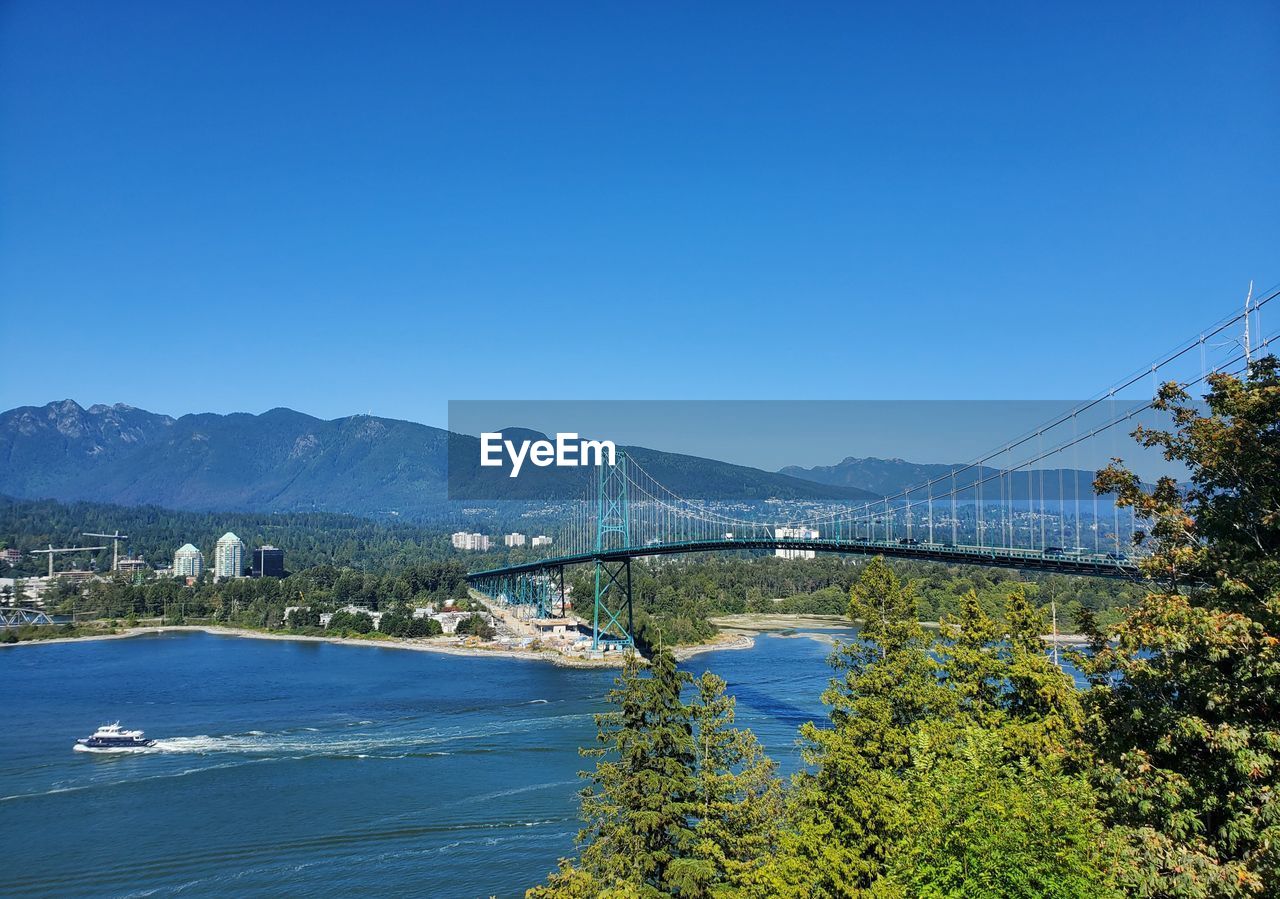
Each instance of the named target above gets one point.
<point>613,579</point>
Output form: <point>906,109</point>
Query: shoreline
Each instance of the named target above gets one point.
<point>724,641</point>
<point>736,632</point>
<point>721,642</point>
<point>550,656</point>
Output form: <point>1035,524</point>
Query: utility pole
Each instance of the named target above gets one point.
<point>1053,611</point>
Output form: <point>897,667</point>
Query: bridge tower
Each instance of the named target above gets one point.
<point>613,579</point>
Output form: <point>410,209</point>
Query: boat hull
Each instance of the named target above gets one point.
<point>91,743</point>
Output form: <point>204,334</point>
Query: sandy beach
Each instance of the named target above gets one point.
<point>765,623</point>
<point>719,642</point>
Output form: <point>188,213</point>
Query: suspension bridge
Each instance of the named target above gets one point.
<point>1021,506</point>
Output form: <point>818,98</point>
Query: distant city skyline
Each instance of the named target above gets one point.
<point>356,211</point>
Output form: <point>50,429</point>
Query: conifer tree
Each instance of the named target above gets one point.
<point>639,801</point>
<point>738,805</point>
<point>886,697</point>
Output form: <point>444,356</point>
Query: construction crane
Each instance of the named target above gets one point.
<point>50,552</point>
<point>115,545</point>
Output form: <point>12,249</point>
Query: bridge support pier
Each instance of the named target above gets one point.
<point>612,604</point>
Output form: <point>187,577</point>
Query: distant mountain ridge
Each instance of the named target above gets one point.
<point>286,461</point>
<point>889,477</point>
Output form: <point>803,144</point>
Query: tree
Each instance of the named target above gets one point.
<point>303,616</point>
<point>425,627</point>
<point>887,695</point>
<point>984,825</point>
<point>738,799</point>
<point>681,802</point>
<point>638,805</point>
<point>478,625</point>
<point>1185,710</point>
<point>947,768</point>
<point>637,808</point>
<point>358,622</point>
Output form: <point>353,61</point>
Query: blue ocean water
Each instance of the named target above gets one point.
<point>309,768</point>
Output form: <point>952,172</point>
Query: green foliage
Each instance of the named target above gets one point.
<point>641,793</point>
<point>399,621</point>
<point>680,802</point>
<point>476,625</point>
<point>351,622</point>
<point>983,825</point>
<point>738,801</point>
<point>944,769</point>
<point>1185,711</point>
<point>303,616</point>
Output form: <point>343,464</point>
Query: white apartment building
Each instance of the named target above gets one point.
<point>470,542</point>
<point>514,539</point>
<point>228,557</point>
<point>188,562</point>
<point>541,540</point>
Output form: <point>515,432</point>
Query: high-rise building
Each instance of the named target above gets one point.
<point>472,542</point>
<point>540,540</point>
<point>228,557</point>
<point>514,539</point>
<point>188,562</point>
<point>795,534</point>
<point>268,561</point>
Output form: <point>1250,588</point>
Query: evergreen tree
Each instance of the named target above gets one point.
<point>738,803</point>
<point>943,785</point>
<point>642,792</point>
<point>1042,702</point>
<point>985,824</point>
<point>1186,707</point>
<point>888,694</point>
<point>681,802</point>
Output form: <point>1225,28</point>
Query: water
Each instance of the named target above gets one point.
<point>289,767</point>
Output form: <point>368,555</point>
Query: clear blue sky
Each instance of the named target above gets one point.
<point>349,207</point>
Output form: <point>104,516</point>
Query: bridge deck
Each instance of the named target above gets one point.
<point>1093,564</point>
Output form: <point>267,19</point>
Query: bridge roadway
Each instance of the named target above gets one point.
<point>1090,564</point>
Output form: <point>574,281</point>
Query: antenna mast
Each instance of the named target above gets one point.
<point>1248,354</point>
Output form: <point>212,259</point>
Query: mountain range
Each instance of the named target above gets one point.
<point>286,461</point>
<point>891,476</point>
